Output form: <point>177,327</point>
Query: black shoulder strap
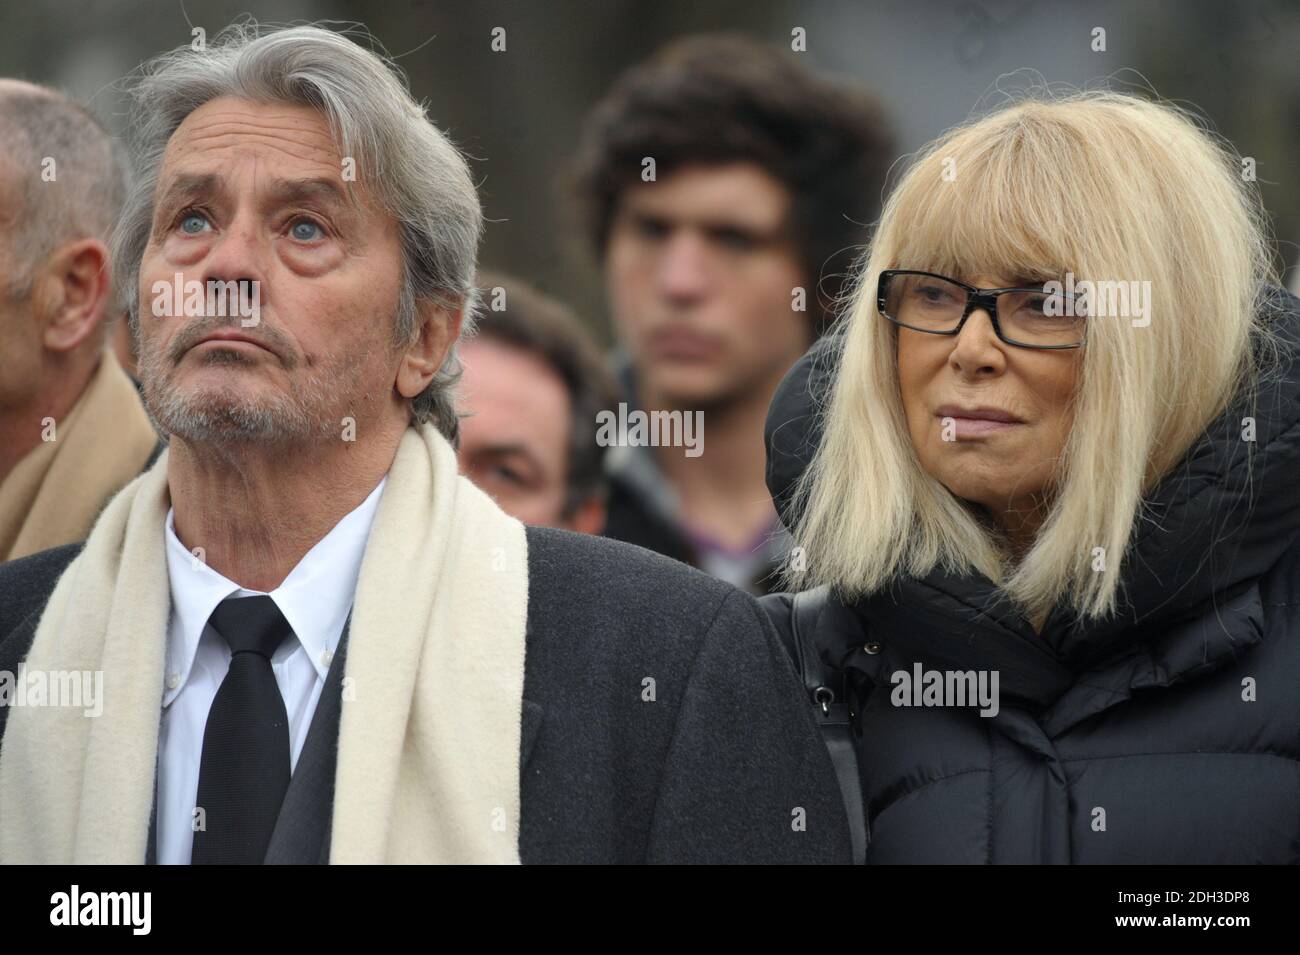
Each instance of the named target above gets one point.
<point>830,704</point>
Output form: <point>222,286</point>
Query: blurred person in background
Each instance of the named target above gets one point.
<point>720,271</point>
<point>532,385</point>
<point>72,429</point>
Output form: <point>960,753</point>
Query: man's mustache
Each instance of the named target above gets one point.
<point>263,334</point>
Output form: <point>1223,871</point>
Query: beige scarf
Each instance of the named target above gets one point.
<point>53,495</point>
<point>429,734</point>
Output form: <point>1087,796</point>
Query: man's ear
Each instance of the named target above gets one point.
<point>71,293</point>
<point>588,517</point>
<point>439,329</point>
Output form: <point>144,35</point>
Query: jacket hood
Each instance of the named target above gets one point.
<point>1218,521</point>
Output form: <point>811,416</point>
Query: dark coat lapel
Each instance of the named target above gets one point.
<point>302,832</point>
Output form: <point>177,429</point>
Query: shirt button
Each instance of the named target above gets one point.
<point>173,681</point>
<point>872,648</point>
<point>326,657</point>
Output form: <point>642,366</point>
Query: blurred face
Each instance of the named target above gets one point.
<point>252,192</point>
<point>50,309</point>
<point>988,420</point>
<point>515,442</point>
<point>700,273</point>
<point>20,340</point>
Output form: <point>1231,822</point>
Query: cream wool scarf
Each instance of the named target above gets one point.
<point>429,733</point>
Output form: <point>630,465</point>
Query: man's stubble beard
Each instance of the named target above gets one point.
<point>725,391</point>
<point>311,411</point>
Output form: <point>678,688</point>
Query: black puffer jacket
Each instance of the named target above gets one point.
<point>1169,734</point>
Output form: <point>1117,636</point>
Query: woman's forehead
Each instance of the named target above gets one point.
<point>982,273</point>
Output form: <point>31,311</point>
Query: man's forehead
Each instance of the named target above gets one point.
<point>739,193</point>
<point>283,133</point>
<point>293,147</point>
<point>228,114</point>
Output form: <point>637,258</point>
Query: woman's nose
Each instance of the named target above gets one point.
<point>977,349</point>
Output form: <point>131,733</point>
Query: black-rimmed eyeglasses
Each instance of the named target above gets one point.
<point>937,305</point>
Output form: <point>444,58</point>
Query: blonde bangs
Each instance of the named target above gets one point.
<point>1013,196</point>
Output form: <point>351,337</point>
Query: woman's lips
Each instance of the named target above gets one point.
<point>976,422</point>
<point>976,427</point>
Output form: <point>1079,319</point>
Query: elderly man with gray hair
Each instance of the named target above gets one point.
<point>72,431</point>
<point>359,657</point>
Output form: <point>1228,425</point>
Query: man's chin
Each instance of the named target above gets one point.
<point>691,389</point>
<point>224,416</point>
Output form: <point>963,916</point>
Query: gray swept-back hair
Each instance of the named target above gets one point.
<point>412,169</point>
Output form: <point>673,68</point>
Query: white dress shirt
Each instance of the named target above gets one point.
<point>315,598</point>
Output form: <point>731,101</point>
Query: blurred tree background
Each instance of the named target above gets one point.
<point>517,113</point>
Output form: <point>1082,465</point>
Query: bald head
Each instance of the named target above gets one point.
<point>62,178</point>
<point>61,187</point>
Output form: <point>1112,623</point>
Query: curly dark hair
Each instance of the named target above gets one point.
<point>719,98</point>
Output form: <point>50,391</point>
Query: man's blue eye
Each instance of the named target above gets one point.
<point>193,224</point>
<point>305,230</point>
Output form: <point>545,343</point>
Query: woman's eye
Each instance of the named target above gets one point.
<point>193,223</point>
<point>304,230</point>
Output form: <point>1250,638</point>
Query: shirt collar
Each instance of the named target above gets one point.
<point>315,598</point>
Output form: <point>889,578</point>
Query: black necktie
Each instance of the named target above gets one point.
<point>244,771</point>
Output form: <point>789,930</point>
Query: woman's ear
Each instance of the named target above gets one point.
<point>439,327</point>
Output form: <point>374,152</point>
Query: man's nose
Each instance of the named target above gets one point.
<point>239,255</point>
<point>683,268</point>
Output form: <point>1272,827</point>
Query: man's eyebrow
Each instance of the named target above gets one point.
<point>507,449</point>
<point>300,190</point>
<point>513,449</point>
<point>189,185</point>
<point>710,222</point>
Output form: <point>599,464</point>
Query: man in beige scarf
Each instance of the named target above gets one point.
<point>72,430</point>
<point>359,657</point>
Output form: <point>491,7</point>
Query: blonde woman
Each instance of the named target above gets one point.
<point>1045,486</point>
